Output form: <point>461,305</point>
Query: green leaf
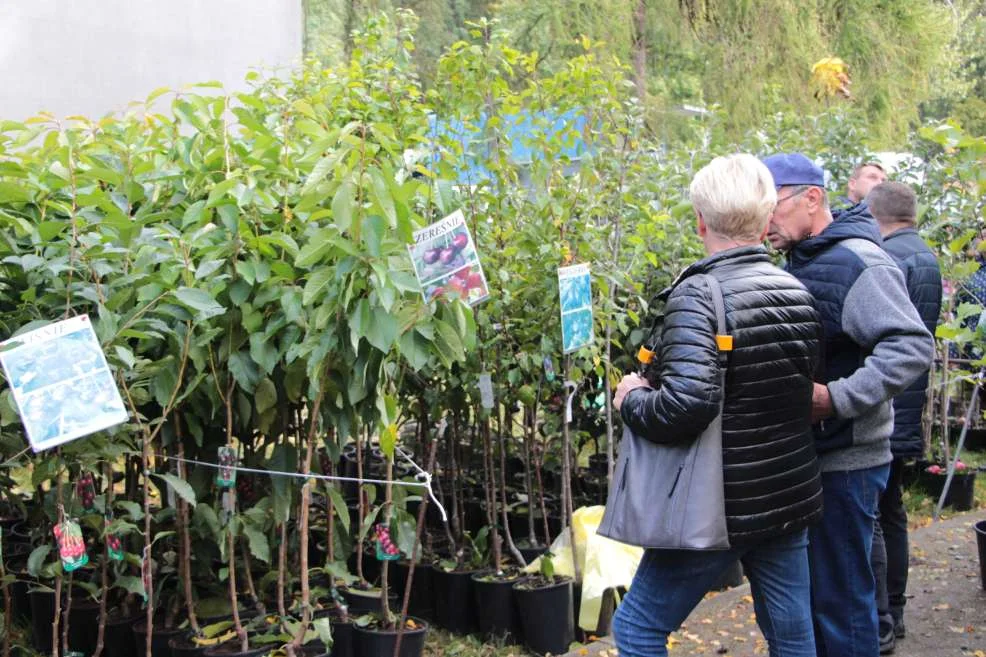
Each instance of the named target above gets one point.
<point>266,395</point>
<point>339,504</point>
<point>199,301</point>
<point>180,486</point>
<point>316,283</point>
<point>37,559</point>
<point>342,206</point>
<point>244,370</point>
<point>259,546</point>
<point>319,171</point>
<point>245,269</point>
<point>219,190</point>
<point>380,195</point>
<point>383,330</point>
<point>388,440</point>
<point>130,583</point>
<point>133,509</point>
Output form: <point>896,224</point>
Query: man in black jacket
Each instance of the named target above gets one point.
<point>894,206</point>
<point>770,471</point>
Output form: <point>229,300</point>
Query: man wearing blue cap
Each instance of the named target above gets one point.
<point>874,346</point>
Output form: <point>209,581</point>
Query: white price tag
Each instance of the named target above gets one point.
<point>486,390</point>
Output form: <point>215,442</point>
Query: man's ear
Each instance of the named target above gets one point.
<point>701,227</point>
<point>814,195</point>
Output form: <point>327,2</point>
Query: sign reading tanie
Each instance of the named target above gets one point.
<point>446,262</point>
<point>61,383</point>
<point>575,293</point>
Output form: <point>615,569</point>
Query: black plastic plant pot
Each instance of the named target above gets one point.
<point>498,617</point>
<point>342,634</point>
<point>20,600</point>
<point>159,638</point>
<point>422,600</point>
<point>374,642</point>
<point>42,618</point>
<point>365,602</point>
<point>455,607</point>
<point>981,544</point>
<point>232,649</point>
<point>83,626</point>
<point>118,638</point>
<point>961,492</point>
<point>546,616</point>
<point>183,646</point>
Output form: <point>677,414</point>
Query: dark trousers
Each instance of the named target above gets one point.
<point>890,551</point>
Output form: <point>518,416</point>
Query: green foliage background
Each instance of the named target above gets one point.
<point>908,59</point>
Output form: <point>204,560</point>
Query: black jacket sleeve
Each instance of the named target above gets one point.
<point>688,396</point>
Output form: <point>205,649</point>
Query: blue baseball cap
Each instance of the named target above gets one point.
<point>790,169</point>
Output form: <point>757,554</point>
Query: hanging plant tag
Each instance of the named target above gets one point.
<point>549,369</point>
<point>228,507</point>
<point>85,490</point>
<point>575,290</point>
<point>226,476</point>
<point>61,383</point>
<point>486,390</point>
<point>446,261</point>
<point>71,546</point>
<point>145,572</point>
<point>386,550</point>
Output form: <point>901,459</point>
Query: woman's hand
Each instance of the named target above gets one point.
<point>629,382</point>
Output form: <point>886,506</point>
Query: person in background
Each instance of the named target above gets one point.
<point>874,347</point>
<point>865,177</point>
<point>894,206</point>
<point>770,470</point>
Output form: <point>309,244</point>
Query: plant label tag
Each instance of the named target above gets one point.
<point>61,383</point>
<point>71,546</point>
<point>549,369</point>
<point>145,572</point>
<point>446,262</point>
<point>226,476</point>
<point>386,550</point>
<point>575,292</point>
<point>486,390</point>
<point>228,502</point>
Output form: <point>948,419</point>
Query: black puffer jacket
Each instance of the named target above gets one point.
<point>923,278</point>
<point>771,472</point>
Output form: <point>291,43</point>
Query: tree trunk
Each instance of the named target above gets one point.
<point>640,49</point>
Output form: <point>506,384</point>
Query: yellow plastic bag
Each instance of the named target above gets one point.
<point>604,563</point>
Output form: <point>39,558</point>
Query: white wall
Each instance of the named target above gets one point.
<point>91,57</point>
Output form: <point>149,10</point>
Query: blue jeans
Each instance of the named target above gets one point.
<point>669,583</point>
<point>843,589</point>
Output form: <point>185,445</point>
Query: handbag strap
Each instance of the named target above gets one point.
<point>724,341</point>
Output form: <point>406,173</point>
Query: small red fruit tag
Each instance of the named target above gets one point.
<point>71,546</point>
<point>386,550</point>
<point>226,476</point>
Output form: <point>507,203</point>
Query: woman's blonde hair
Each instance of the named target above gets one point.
<point>735,195</point>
